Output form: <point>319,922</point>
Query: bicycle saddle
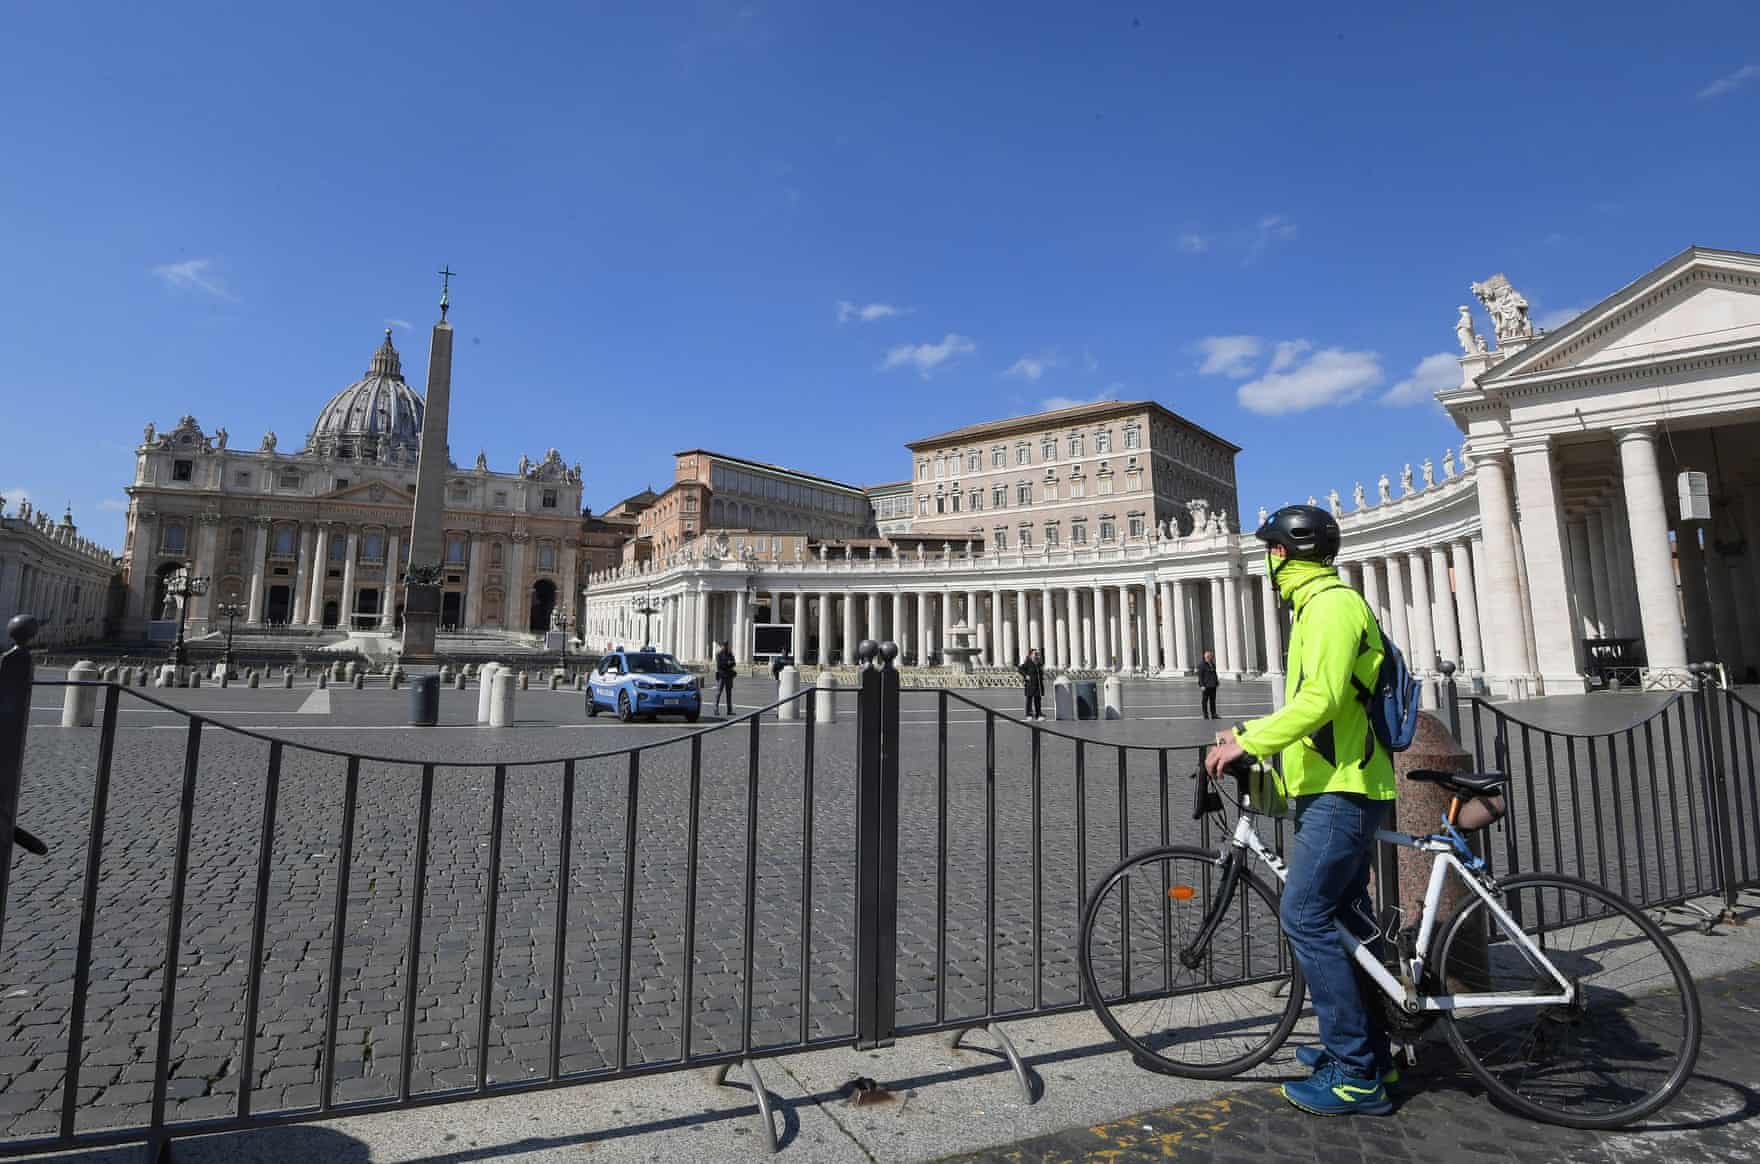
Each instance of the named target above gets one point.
<point>1465,783</point>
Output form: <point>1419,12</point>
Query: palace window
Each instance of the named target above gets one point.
<point>999,457</point>
<point>500,499</point>
<point>941,466</point>
<point>955,499</point>
<point>284,537</point>
<point>455,549</point>
<point>1050,490</point>
<point>1105,484</point>
<point>1026,541</point>
<point>373,547</point>
<point>235,541</point>
<point>1136,525</point>
<point>1075,444</point>
<point>1023,493</point>
<point>338,548</point>
<point>998,496</point>
<point>1133,437</point>
<point>1108,529</point>
<point>550,500</point>
<point>1048,449</point>
<point>1023,454</point>
<point>975,500</point>
<point>974,460</point>
<point>459,493</point>
<point>182,470</point>
<point>922,470</point>
<point>1133,480</point>
<point>243,476</point>
<point>1078,533</point>
<point>1103,441</point>
<point>174,539</point>
<point>547,555</point>
<point>1051,542</point>
<point>923,506</point>
<point>342,482</point>
<point>1078,487</point>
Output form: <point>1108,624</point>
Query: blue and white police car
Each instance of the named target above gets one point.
<point>645,682</point>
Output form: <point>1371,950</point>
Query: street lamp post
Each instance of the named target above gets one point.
<point>647,610</point>
<point>184,586</point>
<point>231,610</point>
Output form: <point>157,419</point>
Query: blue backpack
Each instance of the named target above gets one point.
<point>1393,702</point>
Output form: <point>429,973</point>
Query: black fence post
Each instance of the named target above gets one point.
<point>16,672</point>
<point>1451,699</point>
<point>1716,785</point>
<point>876,935</point>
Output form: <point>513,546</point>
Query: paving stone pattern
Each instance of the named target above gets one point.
<point>1443,1117</point>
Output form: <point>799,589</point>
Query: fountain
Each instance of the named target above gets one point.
<point>958,651</point>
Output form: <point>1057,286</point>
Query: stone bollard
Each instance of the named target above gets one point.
<point>253,680</point>
<point>555,681</point>
<point>445,673</point>
<point>339,671</point>
<point>225,678</point>
<point>126,677</point>
<point>360,681</point>
<point>458,682</point>
<point>80,704</point>
<point>164,676</point>
<point>486,690</point>
<point>108,674</point>
<point>287,679</point>
<point>1112,698</point>
<point>825,699</point>
<point>1419,811</point>
<point>788,685</point>
<point>195,677</point>
<point>525,681</point>
<point>323,679</point>
<point>396,677</point>
<point>580,682</point>
<point>1063,698</point>
<point>501,700</point>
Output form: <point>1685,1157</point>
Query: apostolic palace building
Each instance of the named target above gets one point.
<point>1602,512</point>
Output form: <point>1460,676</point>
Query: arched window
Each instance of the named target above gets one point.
<point>284,536</point>
<point>175,539</point>
<point>494,553</point>
<point>373,548</point>
<point>235,540</point>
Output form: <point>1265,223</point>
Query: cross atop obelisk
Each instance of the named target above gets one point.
<point>421,606</point>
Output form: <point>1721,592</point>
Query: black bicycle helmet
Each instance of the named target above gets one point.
<point>1306,532</point>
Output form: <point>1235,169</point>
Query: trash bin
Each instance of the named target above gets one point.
<point>424,700</point>
<point>1087,693</point>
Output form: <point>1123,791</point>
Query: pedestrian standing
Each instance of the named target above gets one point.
<point>1032,670</point>
<point>725,670</point>
<point>1207,683</point>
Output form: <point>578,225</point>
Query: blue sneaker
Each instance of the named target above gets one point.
<point>1312,1057</point>
<point>1329,1091</point>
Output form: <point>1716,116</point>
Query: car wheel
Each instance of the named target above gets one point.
<point>592,706</point>
<point>691,716</point>
<point>625,712</point>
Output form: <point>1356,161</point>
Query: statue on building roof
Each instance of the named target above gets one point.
<point>149,434</point>
<point>1405,479</point>
<point>1359,498</point>
<point>1506,307</point>
<point>220,438</point>
<point>24,509</point>
<point>269,441</point>
<point>1448,464</point>
<point>1313,501</point>
<point>1335,503</point>
<point>525,465</point>
<point>1429,473</point>
<point>1386,487</point>
<point>1472,343</point>
<point>1264,515</point>
<point>482,461</point>
<point>1466,460</point>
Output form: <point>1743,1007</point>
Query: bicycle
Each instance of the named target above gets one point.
<point>1545,983</point>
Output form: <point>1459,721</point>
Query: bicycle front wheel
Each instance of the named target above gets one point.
<point>1207,1011</point>
<point>1620,1051</point>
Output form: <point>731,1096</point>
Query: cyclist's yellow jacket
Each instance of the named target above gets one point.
<point>1322,730</point>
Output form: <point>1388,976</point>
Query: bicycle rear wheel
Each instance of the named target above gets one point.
<point>1226,1012</point>
<point>1616,1054</point>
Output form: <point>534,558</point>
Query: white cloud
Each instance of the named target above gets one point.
<point>193,274</point>
<point>13,497</point>
<point>405,324</point>
<point>1033,367</point>
<point>1287,353</point>
<point>1193,243</point>
<point>1230,355</point>
<point>925,358</point>
<point>1273,228</point>
<point>1328,376</point>
<point>114,505</point>
<point>1730,83</point>
<point>1432,375</point>
<point>1053,403</point>
<point>1558,316</point>
<point>867,312</point>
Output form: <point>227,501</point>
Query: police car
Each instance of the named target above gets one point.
<point>645,682</point>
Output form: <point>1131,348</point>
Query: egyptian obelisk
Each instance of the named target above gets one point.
<point>421,605</point>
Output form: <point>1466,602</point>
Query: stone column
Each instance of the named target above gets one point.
<point>259,568</point>
<point>1743,570</point>
<point>1448,638</point>
<point>1652,556</point>
<point>1599,548</point>
<point>1217,639</point>
<point>1059,638</point>
<point>1170,622</point>
<point>352,548</point>
<point>1249,623</point>
<point>1558,652</point>
<point>975,622</point>
<point>1397,624</point>
<point>871,620</point>
<point>1726,622</point>
<point>516,602</point>
<point>206,566</point>
<point>388,597</point>
<point>1231,613</point>
<point>1624,560</point>
<point>1022,625</point>
<point>320,568</point>
<point>1423,645</point>
<point>945,600</point>
<point>1500,610</point>
<point>699,648</point>
<point>825,628</point>
<point>473,588</point>
<point>802,641</point>
<point>1081,629</point>
<point>847,648</point>
<point>1474,561</point>
<point>1127,638</point>
<point>302,583</point>
<point>898,618</point>
<point>923,628</point>
<point>996,648</point>
<point>1695,597</point>
<point>742,634</point>
<point>1154,650</point>
<point>1583,578</point>
<point>1268,614</point>
<point>1372,590</point>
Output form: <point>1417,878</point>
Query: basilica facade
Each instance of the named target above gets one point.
<point>318,537</point>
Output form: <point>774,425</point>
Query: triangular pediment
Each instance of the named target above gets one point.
<point>372,491</point>
<point>1701,300</point>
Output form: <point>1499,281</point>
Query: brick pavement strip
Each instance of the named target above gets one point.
<point>1443,1117</point>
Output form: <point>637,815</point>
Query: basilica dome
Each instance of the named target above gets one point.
<point>378,417</point>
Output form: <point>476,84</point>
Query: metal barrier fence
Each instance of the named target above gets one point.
<point>261,941</point>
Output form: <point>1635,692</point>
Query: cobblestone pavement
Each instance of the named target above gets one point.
<point>1094,802</point>
<point>1443,1117</point>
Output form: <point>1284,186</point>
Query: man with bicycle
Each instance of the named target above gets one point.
<point>1340,781</point>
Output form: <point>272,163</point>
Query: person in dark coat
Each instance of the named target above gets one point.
<point>778,663</point>
<point>725,670</point>
<point>1032,670</point>
<point>1208,682</point>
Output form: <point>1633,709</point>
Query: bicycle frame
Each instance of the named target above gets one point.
<point>1445,859</point>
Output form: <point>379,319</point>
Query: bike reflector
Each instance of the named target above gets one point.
<point>1182,892</point>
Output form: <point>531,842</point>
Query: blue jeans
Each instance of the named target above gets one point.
<point>1329,879</point>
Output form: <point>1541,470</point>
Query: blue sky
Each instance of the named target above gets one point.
<point>809,232</point>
